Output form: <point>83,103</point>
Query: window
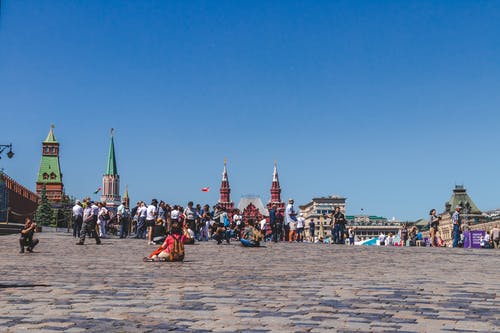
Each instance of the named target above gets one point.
<point>53,176</point>
<point>45,176</point>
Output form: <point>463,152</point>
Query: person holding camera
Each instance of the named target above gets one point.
<point>26,238</point>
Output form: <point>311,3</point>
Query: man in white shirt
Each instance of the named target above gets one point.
<point>300,228</point>
<point>77,218</point>
<point>141,220</point>
<point>123,216</point>
<point>263,228</point>
<point>151,212</point>
<point>190,214</point>
<point>290,216</point>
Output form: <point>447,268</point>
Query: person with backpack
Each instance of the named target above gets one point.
<point>172,248</point>
<point>102,219</point>
<point>251,236</point>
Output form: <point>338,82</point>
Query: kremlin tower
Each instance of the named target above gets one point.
<point>126,198</point>
<point>225,191</point>
<point>49,173</point>
<point>276,193</point>
<point>111,179</point>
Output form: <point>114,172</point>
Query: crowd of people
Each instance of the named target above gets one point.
<point>161,223</point>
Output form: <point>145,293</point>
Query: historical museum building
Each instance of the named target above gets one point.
<point>251,207</point>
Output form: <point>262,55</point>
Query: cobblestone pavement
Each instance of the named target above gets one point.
<point>285,287</point>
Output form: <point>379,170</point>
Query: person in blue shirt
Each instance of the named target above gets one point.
<point>456,220</point>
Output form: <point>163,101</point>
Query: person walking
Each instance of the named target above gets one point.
<point>123,215</point>
<point>290,216</point>
<point>312,229</point>
<point>495,237</point>
<point>403,234</point>
<point>272,223</point>
<point>151,212</point>
<point>352,235</point>
<point>339,226</point>
<point>141,220</point>
<point>88,226</point>
<point>300,228</point>
<point>77,218</point>
<point>206,217</point>
<point>102,219</point>
<point>433,226</point>
<point>456,220</point>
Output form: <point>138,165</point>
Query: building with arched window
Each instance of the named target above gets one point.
<point>49,173</point>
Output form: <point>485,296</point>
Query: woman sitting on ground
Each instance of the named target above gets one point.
<point>172,248</point>
<point>251,236</point>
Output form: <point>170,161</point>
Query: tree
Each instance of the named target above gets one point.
<point>44,213</point>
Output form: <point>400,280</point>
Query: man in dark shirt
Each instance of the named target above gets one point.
<point>339,226</point>
<point>272,222</point>
<point>26,238</point>
<point>312,227</point>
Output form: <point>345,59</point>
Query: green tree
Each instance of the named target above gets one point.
<point>44,213</point>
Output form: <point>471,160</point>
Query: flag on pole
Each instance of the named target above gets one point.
<point>205,189</point>
<point>97,191</point>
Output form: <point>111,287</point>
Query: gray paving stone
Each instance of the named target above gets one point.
<point>281,288</point>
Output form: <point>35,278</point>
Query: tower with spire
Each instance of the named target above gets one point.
<point>126,198</point>
<point>111,179</point>
<point>225,191</point>
<point>276,192</point>
<point>49,173</point>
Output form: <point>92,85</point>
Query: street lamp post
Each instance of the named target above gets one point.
<point>10,153</point>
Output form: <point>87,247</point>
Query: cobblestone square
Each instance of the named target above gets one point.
<point>283,287</point>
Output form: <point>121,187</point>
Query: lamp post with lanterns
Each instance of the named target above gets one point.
<point>10,153</point>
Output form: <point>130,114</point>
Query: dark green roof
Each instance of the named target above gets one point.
<point>49,166</point>
<point>111,168</point>
<point>461,198</point>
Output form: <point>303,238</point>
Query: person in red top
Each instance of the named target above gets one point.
<point>163,251</point>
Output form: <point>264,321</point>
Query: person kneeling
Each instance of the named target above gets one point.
<point>26,238</point>
<point>251,236</point>
<point>172,248</point>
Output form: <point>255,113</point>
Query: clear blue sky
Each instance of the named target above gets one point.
<point>389,103</point>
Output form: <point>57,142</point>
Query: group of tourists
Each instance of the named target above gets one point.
<point>167,225</point>
<point>490,240</point>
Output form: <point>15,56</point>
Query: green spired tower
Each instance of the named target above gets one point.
<point>111,179</point>
<point>49,173</point>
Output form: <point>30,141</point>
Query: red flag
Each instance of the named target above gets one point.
<point>205,189</point>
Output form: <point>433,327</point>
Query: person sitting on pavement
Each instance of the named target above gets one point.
<point>172,248</point>
<point>26,238</point>
<point>251,236</point>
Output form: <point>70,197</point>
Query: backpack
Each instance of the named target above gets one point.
<point>177,252</point>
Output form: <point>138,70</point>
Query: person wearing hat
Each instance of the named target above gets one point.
<point>89,223</point>
<point>151,213</point>
<point>77,218</point>
<point>456,220</point>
